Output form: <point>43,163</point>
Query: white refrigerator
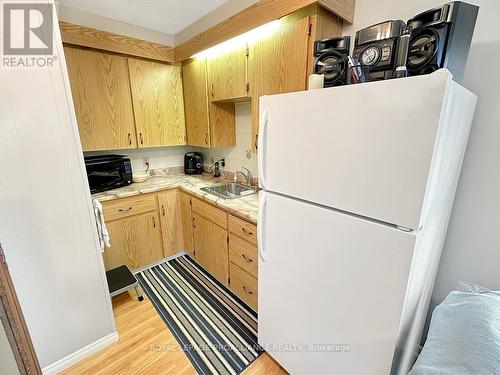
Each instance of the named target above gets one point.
<point>358,185</point>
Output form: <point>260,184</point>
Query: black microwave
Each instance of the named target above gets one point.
<point>106,172</point>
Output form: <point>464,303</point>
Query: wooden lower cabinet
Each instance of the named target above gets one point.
<point>171,225</point>
<point>187,223</point>
<point>244,285</point>
<point>135,241</point>
<point>147,228</point>
<point>211,247</point>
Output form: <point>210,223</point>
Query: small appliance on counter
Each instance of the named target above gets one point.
<point>441,38</point>
<point>376,47</point>
<point>330,60</point>
<point>193,163</point>
<point>106,172</point>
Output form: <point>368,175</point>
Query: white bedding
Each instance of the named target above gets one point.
<point>463,338</point>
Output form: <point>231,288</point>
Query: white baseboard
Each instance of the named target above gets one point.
<point>80,354</point>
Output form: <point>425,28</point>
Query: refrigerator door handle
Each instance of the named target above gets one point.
<point>261,147</point>
<point>261,226</point>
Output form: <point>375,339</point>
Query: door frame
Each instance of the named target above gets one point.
<point>14,324</point>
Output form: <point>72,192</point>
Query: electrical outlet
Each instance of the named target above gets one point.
<point>249,154</point>
<point>212,159</point>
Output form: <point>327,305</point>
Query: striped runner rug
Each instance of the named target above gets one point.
<point>216,330</point>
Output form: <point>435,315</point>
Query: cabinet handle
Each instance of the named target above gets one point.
<point>247,232</point>
<point>194,222</point>
<point>154,223</point>
<point>141,137</point>
<point>206,138</point>
<point>212,90</point>
<point>247,291</point>
<point>129,139</point>
<point>246,259</point>
<point>256,141</point>
<point>163,209</point>
<point>122,210</point>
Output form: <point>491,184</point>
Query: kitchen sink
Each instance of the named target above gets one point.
<point>230,191</point>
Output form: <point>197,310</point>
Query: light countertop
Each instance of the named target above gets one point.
<point>245,207</point>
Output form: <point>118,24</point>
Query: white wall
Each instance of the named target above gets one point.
<point>471,250</point>
<point>47,228</point>
<point>8,365</point>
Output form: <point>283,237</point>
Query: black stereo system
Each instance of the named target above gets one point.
<point>375,48</point>
<point>330,59</point>
<point>438,38</point>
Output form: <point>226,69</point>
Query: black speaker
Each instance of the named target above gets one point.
<point>441,38</point>
<point>330,59</point>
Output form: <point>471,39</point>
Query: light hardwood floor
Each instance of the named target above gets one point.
<point>141,348</point>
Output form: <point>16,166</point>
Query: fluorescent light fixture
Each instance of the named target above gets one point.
<point>239,41</point>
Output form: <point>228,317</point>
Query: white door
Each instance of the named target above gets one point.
<point>365,149</point>
<point>332,280</point>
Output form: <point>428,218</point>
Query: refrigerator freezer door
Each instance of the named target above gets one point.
<point>333,281</point>
<point>365,149</point>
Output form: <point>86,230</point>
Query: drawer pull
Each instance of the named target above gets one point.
<point>163,209</point>
<point>247,259</point>
<point>122,210</point>
<point>247,232</point>
<point>154,223</point>
<point>129,139</point>
<point>246,290</point>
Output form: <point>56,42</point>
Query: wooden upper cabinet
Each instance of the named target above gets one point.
<point>207,124</point>
<point>194,79</point>
<point>101,94</point>
<point>278,64</point>
<point>227,75</point>
<point>158,103</point>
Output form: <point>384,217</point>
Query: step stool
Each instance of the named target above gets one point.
<point>120,280</point>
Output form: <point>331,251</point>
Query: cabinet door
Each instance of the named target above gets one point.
<point>194,79</point>
<point>103,103</point>
<point>171,225</point>
<point>210,244</point>
<point>187,223</point>
<point>227,75</point>
<point>158,103</point>
<point>278,64</point>
<point>135,241</point>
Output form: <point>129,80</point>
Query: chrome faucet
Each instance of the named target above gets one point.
<point>247,175</point>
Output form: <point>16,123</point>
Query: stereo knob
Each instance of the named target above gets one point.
<point>370,56</point>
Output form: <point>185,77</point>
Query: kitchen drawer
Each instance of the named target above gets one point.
<point>215,215</point>
<point>244,285</point>
<point>243,229</point>
<point>119,208</point>
<point>243,254</point>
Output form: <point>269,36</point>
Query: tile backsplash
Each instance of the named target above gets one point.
<point>236,157</point>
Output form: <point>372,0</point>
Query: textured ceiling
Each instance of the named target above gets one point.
<point>167,16</point>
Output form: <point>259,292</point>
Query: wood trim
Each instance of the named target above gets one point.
<point>256,15</point>
<point>14,323</point>
<point>103,40</point>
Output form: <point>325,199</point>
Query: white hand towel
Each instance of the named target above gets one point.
<point>102,230</point>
